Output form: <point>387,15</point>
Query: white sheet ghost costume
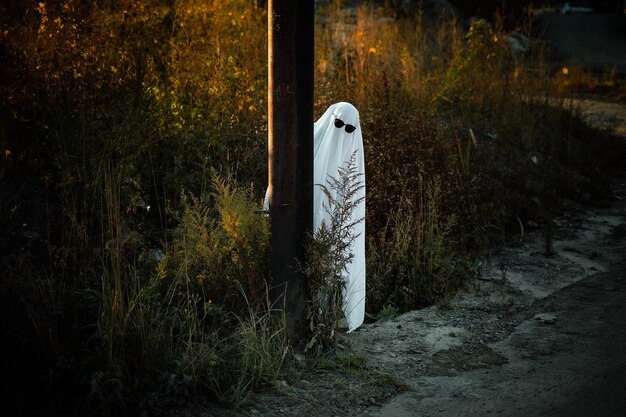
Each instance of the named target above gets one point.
<point>336,137</point>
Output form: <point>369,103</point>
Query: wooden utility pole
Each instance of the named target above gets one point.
<point>290,151</point>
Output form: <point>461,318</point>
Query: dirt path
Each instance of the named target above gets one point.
<point>561,355</point>
<point>603,115</point>
<point>535,336</point>
<point>571,365</point>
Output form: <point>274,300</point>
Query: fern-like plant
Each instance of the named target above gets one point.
<point>328,255</point>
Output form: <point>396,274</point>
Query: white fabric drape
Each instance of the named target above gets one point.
<point>332,149</point>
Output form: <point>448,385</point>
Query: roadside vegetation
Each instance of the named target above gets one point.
<point>134,255</point>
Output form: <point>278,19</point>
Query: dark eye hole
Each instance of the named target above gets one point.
<point>339,124</point>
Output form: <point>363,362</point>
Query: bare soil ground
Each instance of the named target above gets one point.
<point>541,336</point>
<point>533,335</point>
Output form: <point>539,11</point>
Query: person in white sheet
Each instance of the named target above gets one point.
<point>336,138</point>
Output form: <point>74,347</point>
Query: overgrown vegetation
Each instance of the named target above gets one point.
<point>134,266</point>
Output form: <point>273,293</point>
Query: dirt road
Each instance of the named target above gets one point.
<point>565,354</point>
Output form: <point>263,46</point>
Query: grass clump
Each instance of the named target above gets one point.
<point>420,263</point>
<point>225,251</point>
